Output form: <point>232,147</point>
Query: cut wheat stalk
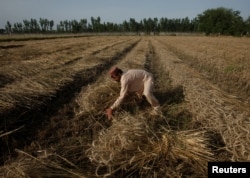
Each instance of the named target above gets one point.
<point>131,144</point>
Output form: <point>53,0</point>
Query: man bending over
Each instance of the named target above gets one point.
<point>133,80</point>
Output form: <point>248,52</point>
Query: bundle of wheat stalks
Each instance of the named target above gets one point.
<point>134,146</point>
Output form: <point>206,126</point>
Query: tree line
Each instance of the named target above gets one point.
<point>212,21</point>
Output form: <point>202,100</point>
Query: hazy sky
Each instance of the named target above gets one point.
<point>111,10</point>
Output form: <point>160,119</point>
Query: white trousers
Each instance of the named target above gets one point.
<point>148,91</point>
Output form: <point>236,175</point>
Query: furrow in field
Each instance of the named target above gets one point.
<point>62,146</point>
<point>34,50</point>
<point>223,61</point>
<point>86,123</point>
<point>18,69</point>
<point>211,107</point>
<point>35,90</point>
<point>134,59</point>
<point>91,124</point>
<point>52,91</point>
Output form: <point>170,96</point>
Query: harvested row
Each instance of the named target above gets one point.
<point>29,90</point>
<point>88,100</point>
<point>211,107</point>
<point>72,128</point>
<point>224,61</point>
<point>137,143</point>
<point>198,123</point>
<point>37,50</point>
<point>30,101</point>
<point>49,58</point>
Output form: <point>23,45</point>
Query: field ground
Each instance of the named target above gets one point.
<point>53,94</point>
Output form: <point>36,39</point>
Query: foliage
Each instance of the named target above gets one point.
<point>220,21</point>
<point>8,27</point>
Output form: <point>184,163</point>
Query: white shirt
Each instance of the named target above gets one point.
<point>131,81</point>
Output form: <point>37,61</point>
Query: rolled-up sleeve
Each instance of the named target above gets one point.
<point>123,92</point>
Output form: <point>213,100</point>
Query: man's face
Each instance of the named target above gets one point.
<point>115,77</point>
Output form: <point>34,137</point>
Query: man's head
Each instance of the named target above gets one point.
<point>115,73</point>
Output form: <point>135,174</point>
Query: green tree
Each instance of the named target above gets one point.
<point>46,24</point>
<point>221,21</point>
<point>125,26</point>
<point>51,24</point>
<point>84,25</point>
<point>66,25</point>
<point>163,24</point>
<point>133,25</point>
<point>42,24</point>
<point>247,26</point>
<point>26,26</point>
<point>186,25</point>
<point>60,27</point>
<point>8,27</point>
<point>76,26</point>
<point>96,24</point>
<point>18,28</point>
<point>34,26</point>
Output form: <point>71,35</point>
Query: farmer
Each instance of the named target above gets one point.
<point>133,80</point>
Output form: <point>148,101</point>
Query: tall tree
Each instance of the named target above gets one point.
<point>76,27</point>
<point>42,24</point>
<point>125,26</point>
<point>96,24</point>
<point>34,26</point>
<point>133,25</point>
<point>221,20</point>
<point>51,24</point>
<point>26,26</point>
<point>247,26</point>
<point>18,28</point>
<point>8,27</point>
<point>84,25</point>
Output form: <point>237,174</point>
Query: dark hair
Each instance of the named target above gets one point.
<point>118,71</point>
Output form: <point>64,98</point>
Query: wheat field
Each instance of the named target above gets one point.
<point>53,94</point>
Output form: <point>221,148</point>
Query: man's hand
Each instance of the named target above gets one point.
<point>109,113</point>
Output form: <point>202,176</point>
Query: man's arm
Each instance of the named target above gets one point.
<point>123,92</point>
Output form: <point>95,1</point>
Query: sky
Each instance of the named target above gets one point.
<point>115,11</point>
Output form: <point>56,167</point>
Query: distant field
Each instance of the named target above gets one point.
<point>25,37</point>
<point>53,94</point>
